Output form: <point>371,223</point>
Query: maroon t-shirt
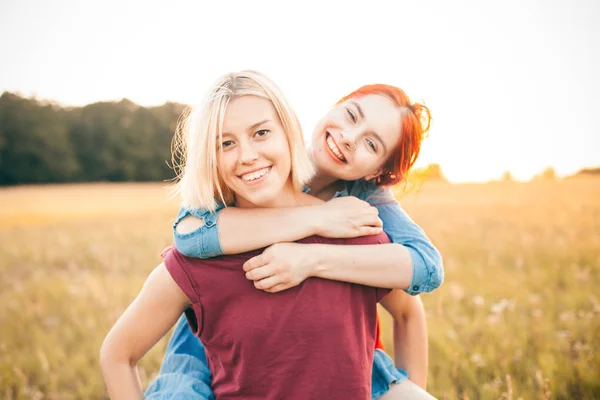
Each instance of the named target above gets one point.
<point>313,341</point>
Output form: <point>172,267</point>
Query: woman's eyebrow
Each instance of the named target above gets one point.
<point>358,107</point>
<point>256,125</point>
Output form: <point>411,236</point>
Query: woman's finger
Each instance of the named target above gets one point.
<point>371,220</point>
<point>369,231</point>
<point>278,288</point>
<point>268,283</point>
<point>260,273</point>
<point>255,262</point>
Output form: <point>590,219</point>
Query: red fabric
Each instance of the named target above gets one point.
<point>314,341</point>
<point>378,339</point>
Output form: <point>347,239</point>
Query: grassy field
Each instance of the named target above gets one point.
<point>517,316</point>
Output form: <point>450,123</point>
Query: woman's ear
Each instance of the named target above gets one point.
<point>377,173</point>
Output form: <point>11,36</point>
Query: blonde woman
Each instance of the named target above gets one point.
<point>315,340</point>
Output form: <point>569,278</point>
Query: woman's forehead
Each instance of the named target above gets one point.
<point>374,100</point>
<point>379,114</point>
<point>246,111</point>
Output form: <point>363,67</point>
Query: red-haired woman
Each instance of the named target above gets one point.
<point>366,143</point>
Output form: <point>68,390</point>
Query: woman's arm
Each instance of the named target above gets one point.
<point>150,316</point>
<point>233,230</point>
<point>410,262</point>
<point>285,265</point>
<point>411,350</point>
<point>387,266</point>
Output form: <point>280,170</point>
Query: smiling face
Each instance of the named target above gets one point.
<point>253,158</point>
<point>356,138</point>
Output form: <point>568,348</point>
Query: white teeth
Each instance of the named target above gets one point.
<point>335,149</point>
<point>252,176</point>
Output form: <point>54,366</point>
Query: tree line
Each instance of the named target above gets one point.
<point>42,142</point>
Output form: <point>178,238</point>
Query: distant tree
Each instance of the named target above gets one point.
<point>417,176</point>
<point>124,142</point>
<point>34,143</point>
<point>104,141</point>
<point>587,172</point>
<point>549,174</point>
<point>166,117</point>
<point>507,176</point>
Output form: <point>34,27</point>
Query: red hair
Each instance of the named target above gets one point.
<point>415,122</point>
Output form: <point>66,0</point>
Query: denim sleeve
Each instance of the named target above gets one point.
<point>204,241</point>
<point>428,270</point>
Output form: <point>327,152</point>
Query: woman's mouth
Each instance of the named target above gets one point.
<point>257,176</point>
<point>334,150</point>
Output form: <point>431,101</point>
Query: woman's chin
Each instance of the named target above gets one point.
<point>264,199</point>
<point>324,164</point>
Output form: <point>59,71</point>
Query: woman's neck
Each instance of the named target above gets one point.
<point>324,186</point>
<point>287,197</point>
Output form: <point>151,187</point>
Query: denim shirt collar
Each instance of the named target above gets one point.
<point>340,193</point>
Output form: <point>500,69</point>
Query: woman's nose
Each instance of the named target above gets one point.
<point>348,139</point>
<point>248,154</point>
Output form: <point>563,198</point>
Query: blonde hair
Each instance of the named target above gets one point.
<point>194,147</point>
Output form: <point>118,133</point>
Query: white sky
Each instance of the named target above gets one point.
<point>512,85</point>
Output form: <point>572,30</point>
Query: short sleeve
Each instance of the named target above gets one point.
<point>179,269</point>
<point>204,241</point>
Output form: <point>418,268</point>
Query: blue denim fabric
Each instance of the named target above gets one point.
<point>185,374</point>
<point>428,271</point>
<point>384,374</point>
<point>203,242</point>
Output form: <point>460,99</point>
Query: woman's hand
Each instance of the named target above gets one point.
<point>347,217</point>
<point>280,267</point>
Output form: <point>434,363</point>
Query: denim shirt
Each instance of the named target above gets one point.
<point>428,271</point>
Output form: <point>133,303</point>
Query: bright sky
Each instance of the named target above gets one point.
<point>512,85</point>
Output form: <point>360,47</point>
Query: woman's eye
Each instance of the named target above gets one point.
<point>262,133</point>
<point>371,144</point>
<point>351,115</point>
<point>227,143</point>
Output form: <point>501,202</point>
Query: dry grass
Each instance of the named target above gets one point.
<point>516,318</point>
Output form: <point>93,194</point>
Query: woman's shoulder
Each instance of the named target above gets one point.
<point>366,189</point>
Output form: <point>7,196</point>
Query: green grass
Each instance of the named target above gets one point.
<point>516,317</point>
